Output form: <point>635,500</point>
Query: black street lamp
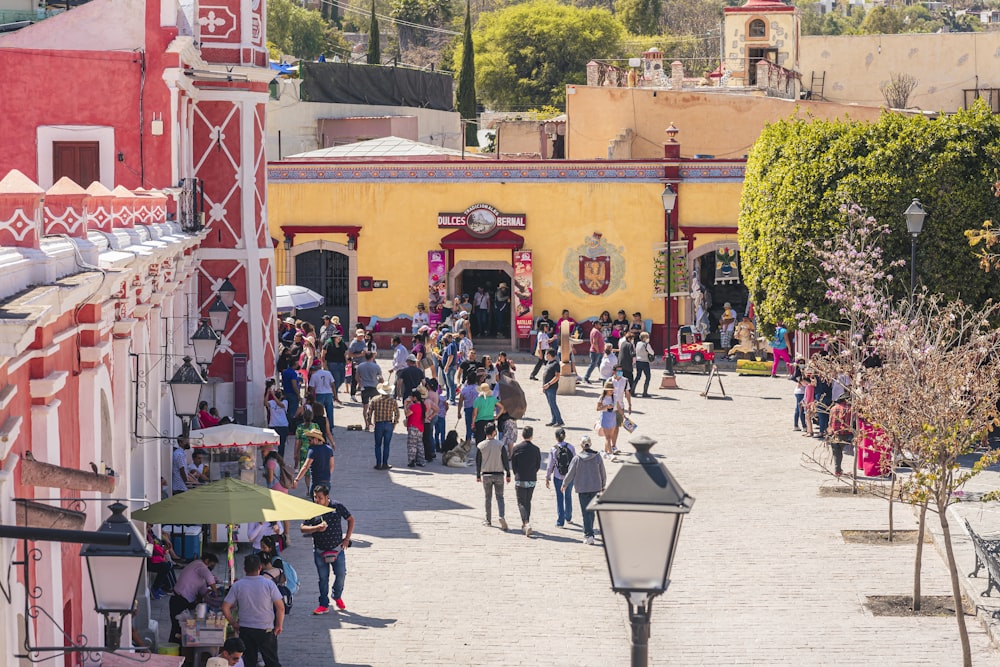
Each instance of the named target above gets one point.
<point>669,198</point>
<point>204,341</point>
<point>640,515</point>
<point>915,215</point>
<point>185,389</point>
<point>227,293</point>
<point>218,314</point>
<point>116,573</point>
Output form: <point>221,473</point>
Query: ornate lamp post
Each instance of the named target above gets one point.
<point>915,215</point>
<point>640,514</point>
<point>185,389</point>
<point>669,198</point>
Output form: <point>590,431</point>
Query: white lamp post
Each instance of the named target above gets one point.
<point>185,389</point>
<point>915,215</point>
<point>640,514</point>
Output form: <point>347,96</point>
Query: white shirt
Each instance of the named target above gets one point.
<point>621,383</point>
<point>420,319</point>
<point>399,354</point>
<point>322,382</point>
<point>482,300</point>
<point>543,341</point>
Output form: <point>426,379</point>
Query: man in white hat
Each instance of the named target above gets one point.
<point>384,413</point>
<point>319,461</point>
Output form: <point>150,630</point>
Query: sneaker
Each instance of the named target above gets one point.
<point>588,540</point>
<point>558,525</point>
<point>319,611</point>
<point>796,429</point>
<point>527,530</point>
<point>487,523</point>
<point>559,424</point>
<point>615,450</point>
<point>551,424</point>
<point>503,523</point>
<point>341,605</point>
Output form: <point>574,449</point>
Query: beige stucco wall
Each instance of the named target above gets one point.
<point>943,65</point>
<point>715,123</point>
<point>296,121</point>
<point>86,29</point>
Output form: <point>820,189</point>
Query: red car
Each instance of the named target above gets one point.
<point>690,349</point>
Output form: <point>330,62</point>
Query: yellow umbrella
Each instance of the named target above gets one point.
<point>229,500</point>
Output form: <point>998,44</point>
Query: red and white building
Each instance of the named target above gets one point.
<point>132,185</point>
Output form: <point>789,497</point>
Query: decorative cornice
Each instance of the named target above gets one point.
<point>638,171</point>
<point>48,386</point>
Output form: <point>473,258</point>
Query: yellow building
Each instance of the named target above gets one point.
<point>362,233</point>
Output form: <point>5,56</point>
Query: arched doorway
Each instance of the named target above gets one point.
<point>327,268</point>
<point>717,294</point>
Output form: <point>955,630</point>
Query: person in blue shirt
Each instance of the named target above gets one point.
<point>319,461</point>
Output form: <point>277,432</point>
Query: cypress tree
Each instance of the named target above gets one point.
<point>374,48</point>
<point>466,94</point>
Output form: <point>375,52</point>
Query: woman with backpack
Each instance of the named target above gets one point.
<point>274,567</point>
<point>586,470</point>
<point>560,457</point>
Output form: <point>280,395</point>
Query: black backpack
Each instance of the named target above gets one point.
<point>286,595</point>
<point>563,458</point>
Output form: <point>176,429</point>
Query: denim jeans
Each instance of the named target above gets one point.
<point>449,381</point>
<point>482,321</point>
<point>327,401</point>
<point>588,515</point>
<point>339,373</point>
<point>550,396</point>
<point>641,368</point>
<point>383,436</point>
<point>493,484</point>
<point>564,501</point>
<point>440,429</point>
<point>595,362</point>
<point>260,642</point>
<point>468,423</point>
<point>800,413</point>
<point>293,406</point>
<point>823,414</point>
<point>323,570</point>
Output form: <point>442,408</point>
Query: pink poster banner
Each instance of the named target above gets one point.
<point>437,287</point>
<point>523,290</point>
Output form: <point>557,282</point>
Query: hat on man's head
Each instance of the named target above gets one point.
<point>289,320</point>
<point>314,433</point>
<point>423,329</point>
<point>502,285</point>
<point>412,357</point>
<point>359,332</point>
<point>385,389</point>
<point>336,334</point>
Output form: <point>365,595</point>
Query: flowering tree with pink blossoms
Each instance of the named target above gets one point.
<point>934,390</point>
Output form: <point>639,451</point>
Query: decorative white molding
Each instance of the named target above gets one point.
<point>49,385</point>
<point>49,134</point>
<point>96,353</point>
<point>9,432</point>
<point>6,396</point>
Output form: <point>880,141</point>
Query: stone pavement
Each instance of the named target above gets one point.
<point>761,575</point>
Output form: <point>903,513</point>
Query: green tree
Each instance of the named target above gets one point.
<point>799,173</point>
<point>374,47</point>
<point>301,32</point>
<point>466,95</point>
<point>883,21</point>
<point>641,17</point>
<point>526,54</point>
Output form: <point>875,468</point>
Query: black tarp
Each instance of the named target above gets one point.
<point>376,84</point>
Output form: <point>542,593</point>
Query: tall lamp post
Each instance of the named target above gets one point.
<point>915,215</point>
<point>640,515</point>
<point>669,198</point>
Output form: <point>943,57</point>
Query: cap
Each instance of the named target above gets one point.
<point>412,358</point>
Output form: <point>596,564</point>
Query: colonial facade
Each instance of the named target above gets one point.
<point>133,188</point>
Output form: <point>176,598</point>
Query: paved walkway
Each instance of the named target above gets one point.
<point>761,576</point>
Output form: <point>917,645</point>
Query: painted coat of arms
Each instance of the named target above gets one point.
<point>594,268</point>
